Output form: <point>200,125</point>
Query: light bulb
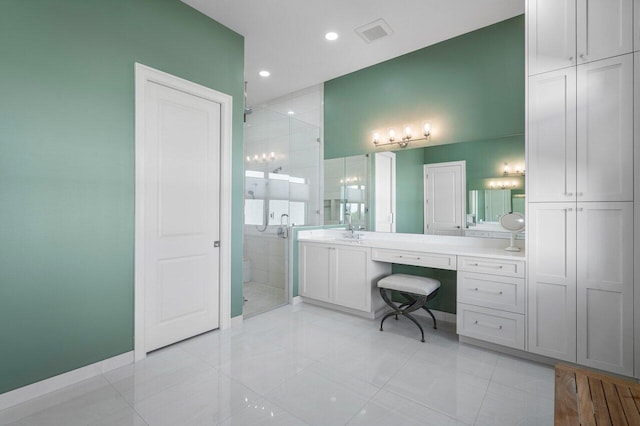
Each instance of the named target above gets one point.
<point>407,132</point>
<point>248,158</point>
<point>376,137</point>
<point>392,135</point>
<point>273,155</point>
<point>426,131</point>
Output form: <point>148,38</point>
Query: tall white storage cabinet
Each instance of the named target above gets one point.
<point>580,192</point>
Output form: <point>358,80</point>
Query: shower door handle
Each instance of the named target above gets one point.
<point>216,243</point>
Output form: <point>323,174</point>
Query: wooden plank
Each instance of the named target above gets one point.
<point>585,405</point>
<point>600,408</point>
<point>566,413</point>
<point>614,406</point>
<point>629,405</point>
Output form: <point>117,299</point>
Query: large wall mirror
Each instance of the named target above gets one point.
<point>346,191</point>
<point>495,185</point>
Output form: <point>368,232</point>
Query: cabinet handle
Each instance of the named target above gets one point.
<point>579,209</point>
<point>569,209</point>
<point>486,266</point>
<point>409,257</point>
<point>580,194</point>
<point>498,293</point>
<point>570,58</point>
<point>583,56</point>
<point>498,327</point>
<point>569,194</point>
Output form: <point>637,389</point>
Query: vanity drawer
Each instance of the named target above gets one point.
<point>507,268</point>
<point>491,325</point>
<point>415,258</point>
<point>491,291</point>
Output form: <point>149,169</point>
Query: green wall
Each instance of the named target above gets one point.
<point>470,88</point>
<point>67,168</point>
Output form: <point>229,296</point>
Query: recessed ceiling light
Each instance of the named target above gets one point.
<point>290,112</point>
<point>264,73</point>
<point>331,36</point>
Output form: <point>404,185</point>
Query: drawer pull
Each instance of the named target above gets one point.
<point>499,293</point>
<point>498,327</point>
<point>486,266</point>
<point>408,257</point>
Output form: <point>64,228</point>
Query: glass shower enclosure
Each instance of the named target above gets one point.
<point>282,157</point>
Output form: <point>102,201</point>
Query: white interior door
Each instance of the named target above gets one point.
<point>444,198</point>
<point>385,186</point>
<point>181,214</point>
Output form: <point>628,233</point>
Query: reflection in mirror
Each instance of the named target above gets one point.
<point>490,204</point>
<point>346,191</point>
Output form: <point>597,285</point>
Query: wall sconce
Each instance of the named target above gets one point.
<point>407,136</point>
<point>518,170</point>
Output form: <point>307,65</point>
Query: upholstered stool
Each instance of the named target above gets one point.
<point>415,290</point>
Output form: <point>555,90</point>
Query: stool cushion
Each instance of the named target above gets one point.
<point>410,284</point>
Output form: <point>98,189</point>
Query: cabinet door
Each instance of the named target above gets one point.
<point>551,140</point>
<point>352,287</point>
<point>552,280</point>
<point>605,286</point>
<point>605,130</point>
<point>604,28</point>
<point>636,212</point>
<point>636,25</point>
<point>551,34</point>
<point>315,271</point>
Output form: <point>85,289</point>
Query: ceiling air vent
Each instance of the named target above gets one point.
<point>374,30</point>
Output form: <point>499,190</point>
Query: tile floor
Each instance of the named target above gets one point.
<point>261,298</point>
<point>304,365</point>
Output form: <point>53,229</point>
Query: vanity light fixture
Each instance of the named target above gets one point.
<point>264,157</point>
<point>407,136</point>
<point>518,170</point>
<point>502,184</point>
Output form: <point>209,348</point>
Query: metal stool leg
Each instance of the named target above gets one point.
<point>431,296</point>
<point>398,310</point>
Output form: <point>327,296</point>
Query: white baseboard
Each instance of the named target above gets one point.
<point>296,300</point>
<point>237,321</point>
<point>34,390</point>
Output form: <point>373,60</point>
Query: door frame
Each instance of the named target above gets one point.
<point>144,75</point>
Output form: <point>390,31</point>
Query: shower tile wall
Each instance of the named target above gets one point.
<point>268,261</point>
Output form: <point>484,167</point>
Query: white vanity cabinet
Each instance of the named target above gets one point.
<point>562,33</point>
<point>491,300</point>
<point>341,275</point>
<point>581,283</point>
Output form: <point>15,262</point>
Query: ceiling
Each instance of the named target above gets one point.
<point>286,37</point>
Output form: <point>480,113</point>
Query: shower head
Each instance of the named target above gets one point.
<point>276,170</point>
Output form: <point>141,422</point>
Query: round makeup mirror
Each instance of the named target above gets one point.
<point>514,223</point>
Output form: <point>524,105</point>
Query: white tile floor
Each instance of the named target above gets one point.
<point>260,298</point>
<point>302,365</point>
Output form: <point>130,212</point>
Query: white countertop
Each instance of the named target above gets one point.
<point>458,246</point>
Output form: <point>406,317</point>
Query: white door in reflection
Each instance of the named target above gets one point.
<point>444,198</point>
